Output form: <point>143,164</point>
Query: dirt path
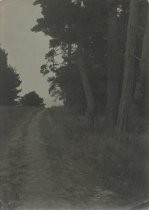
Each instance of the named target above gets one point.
<point>37,183</point>
<point>46,183</point>
<point>45,168</point>
<point>13,163</point>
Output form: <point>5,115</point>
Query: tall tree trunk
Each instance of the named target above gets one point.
<point>129,68</point>
<point>144,65</point>
<point>113,73</point>
<point>90,106</point>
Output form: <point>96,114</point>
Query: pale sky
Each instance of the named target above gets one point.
<point>26,49</point>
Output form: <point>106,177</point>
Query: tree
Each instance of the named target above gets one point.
<point>129,67</point>
<point>144,66</point>
<point>81,56</point>
<point>63,30</point>
<point>32,99</point>
<point>72,23</point>
<point>9,81</point>
<point>113,65</point>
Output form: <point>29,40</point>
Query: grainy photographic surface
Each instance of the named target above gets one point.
<point>74,104</point>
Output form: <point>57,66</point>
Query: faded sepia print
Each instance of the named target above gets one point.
<point>74,104</point>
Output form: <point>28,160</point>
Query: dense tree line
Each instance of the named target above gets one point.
<point>10,86</point>
<point>9,81</point>
<point>98,54</point>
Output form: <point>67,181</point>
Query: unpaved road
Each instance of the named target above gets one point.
<point>42,169</point>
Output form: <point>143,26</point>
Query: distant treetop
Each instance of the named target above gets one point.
<point>32,99</point>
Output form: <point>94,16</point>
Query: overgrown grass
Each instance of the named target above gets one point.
<point>10,118</point>
<point>117,162</point>
<point>13,124</point>
<point>82,161</point>
<point>123,161</point>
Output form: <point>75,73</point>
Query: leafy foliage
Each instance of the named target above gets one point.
<point>32,99</point>
<point>9,81</point>
<point>67,22</point>
<point>62,19</point>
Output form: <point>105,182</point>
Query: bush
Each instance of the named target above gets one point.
<point>32,99</point>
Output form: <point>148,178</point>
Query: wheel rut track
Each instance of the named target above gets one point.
<point>13,165</point>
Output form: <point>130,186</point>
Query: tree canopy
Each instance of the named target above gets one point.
<point>9,81</point>
<point>60,21</point>
<point>32,99</point>
<point>88,43</point>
